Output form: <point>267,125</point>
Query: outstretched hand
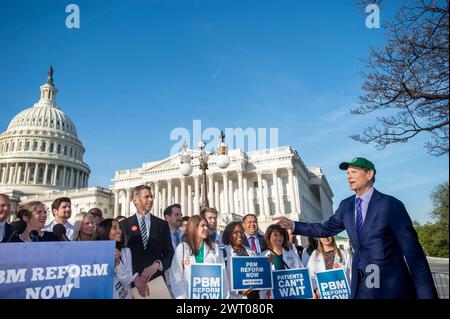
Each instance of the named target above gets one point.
<point>283,222</point>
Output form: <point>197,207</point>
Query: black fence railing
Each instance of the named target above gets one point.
<point>441,283</point>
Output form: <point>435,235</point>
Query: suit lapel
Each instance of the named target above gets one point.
<point>372,211</point>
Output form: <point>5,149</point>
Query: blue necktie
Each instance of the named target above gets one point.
<point>359,216</point>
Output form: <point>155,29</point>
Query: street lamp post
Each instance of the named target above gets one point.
<point>221,158</point>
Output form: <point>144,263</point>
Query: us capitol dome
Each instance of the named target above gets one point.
<point>40,150</point>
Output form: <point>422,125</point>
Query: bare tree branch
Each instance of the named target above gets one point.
<point>409,76</point>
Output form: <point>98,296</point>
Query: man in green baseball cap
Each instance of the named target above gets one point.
<point>361,176</point>
<point>358,162</point>
<point>382,236</point>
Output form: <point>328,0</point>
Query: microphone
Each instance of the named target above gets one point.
<point>18,228</point>
<point>60,231</point>
<point>34,235</point>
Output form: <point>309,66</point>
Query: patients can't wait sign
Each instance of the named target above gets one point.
<point>57,270</point>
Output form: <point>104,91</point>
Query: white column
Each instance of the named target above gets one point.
<point>169,193</point>
<point>262,198</point>
<point>281,195</point>
<point>19,173</point>
<point>189,200</point>
<point>196,195</point>
<point>275,192</point>
<point>297,193</point>
<point>55,175</point>
<point>16,169</point>
<point>36,170</point>
<point>122,195</point>
<point>44,182</point>
<point>71,177</point>
<point>251,201</point>
<point>266,197</point>
<point>3,174</point>
<point>163,201</point>
<point>156,199</point>
<point>11,174</point>
<point>127,202</point>
<point>211,198</point>
<point>231,197</point>
<point>225,193</point>
<point>27,173</point>
<point>241,208</point>
<point>183,195</point>
<point>292,191</point>
<point>64,176</point>
<point>217,196</point>
<point>246,205</point>
<point>177,196</point>
<point>116,203</point>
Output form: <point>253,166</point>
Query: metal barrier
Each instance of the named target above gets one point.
<point>441,283</point>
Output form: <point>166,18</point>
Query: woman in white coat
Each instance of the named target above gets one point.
<point>327,256</point>
<point>109,229</point>
<point>232,239</point>
<point>197,249</point>
<point>280,252</point>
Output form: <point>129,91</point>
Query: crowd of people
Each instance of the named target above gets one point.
<point>148,247</point>
<point>171,246</point>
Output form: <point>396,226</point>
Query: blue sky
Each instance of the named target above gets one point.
<point>135,70</point>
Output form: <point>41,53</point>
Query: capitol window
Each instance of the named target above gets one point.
<point>52,146</point>
<point>27,145</point>
<point>58,149</point>
<point>43,145</point>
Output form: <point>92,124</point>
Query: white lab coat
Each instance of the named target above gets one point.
<point>316,264</point>
<point>291,260</point>
<point>123,276</point>
<point>228,252</point>
<point>180,269</point>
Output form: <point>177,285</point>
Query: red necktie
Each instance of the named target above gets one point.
<point>252,243</point>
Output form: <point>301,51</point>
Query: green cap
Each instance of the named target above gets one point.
<point>358,162</point>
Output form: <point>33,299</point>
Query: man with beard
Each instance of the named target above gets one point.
<point>61,210</point>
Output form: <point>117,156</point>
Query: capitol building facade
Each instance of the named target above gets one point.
<point>268,183</point>
<point>41,158</point>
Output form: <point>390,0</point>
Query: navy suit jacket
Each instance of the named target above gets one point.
<point>387,240</point>
<point>262,242</point>
<point>8,232</point>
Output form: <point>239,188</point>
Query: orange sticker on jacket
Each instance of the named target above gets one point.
<point>187,262</point>
<point>134,228</point>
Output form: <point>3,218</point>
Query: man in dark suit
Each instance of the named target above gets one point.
<point>5,228</point>
<point>386,246</point>
<point>148,238</point>
<point>253,240</point>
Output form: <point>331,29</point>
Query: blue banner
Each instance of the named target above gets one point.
<point>206,281</point>
<point>251,272</point>
<point>292,284</point>
<point>333,284</point>
<point>57,270</point>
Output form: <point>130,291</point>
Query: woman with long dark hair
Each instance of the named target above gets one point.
<point>109,229</point>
